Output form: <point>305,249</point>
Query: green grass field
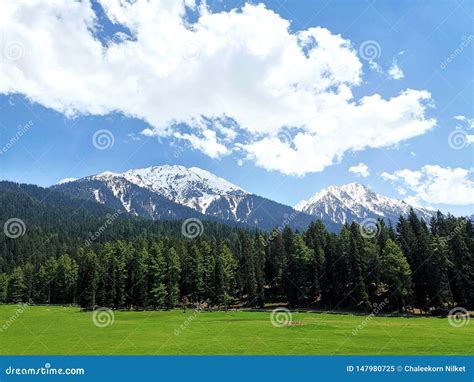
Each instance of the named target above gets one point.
<point>67,331</point>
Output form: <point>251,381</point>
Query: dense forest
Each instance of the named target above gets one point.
<point>73,251</point>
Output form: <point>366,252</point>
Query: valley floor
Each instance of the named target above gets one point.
<point>57,330</point>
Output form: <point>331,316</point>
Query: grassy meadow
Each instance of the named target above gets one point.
<point>68,331</point>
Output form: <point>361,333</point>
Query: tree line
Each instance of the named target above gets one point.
<point>412,266</point>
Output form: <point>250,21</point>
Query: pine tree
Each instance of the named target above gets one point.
<point>462,264</point>
<point>195,274</point>
<point>276,266</point>
<point>229,268</point>
<point>259,263</point>
<point>51,273</point>
<point>300,273</point>
<point>29,277</point>
<point>16,287</point>
<point>156,270</point>
<point>358,293</point>
<point>3,288</point>
<point>88,279</point>
<point>395,274</point>
<point>247,268</point>
<point>172,273</point>
<point>208,269</point>
<point>67,274</point>
<point>315,239</point>
<point>219,284</point>
<point>137,283</point>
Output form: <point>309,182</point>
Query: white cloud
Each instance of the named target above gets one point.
<point>207,144</point>
<point>401,191</point>
<point>375,67</point>
<point>242,70</point>
<point>435,184</point>
<point>468,121</point>
<point>459,138</point>
<point>395,71</point>
<point>360,170</point>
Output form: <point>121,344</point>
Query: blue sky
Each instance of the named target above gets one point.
<point>430,43</point>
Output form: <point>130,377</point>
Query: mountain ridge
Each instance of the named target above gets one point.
<point>175,192</point>
<point>167,188</point>
<point>352,201</point>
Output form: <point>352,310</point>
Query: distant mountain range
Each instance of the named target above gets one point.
<point>176,192</point>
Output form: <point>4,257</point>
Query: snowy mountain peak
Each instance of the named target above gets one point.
<point>180,178</point>
<point>66,180</point>
<point>163,191</point>
<point>105,175</point>
<point>355,201</point>
<point>191,187</point>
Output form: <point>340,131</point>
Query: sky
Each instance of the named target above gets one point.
<point>282,98</point>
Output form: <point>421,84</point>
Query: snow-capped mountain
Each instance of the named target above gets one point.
<point>192,187</point>
<point>66,180</point>
<point>177,192</point>
<point>114,191</point>
<point>337,205</point>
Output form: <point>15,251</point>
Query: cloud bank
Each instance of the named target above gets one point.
<point>236,82</point>
<point>435,184</point>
